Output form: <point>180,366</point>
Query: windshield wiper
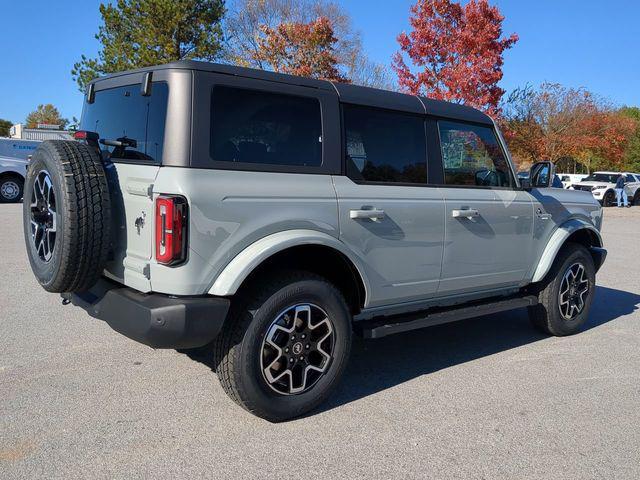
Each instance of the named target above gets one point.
<point>122,142</point>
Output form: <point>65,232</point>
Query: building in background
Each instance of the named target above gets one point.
<point>42,132</point>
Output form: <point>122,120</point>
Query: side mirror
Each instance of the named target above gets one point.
<point>541,175</point>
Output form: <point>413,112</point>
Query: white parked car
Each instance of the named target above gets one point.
<point>633,190</point>
<point>602,185</point>
<point>12,174</point>
<point>569,179</point>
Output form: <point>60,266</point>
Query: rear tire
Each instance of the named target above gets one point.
<point>248,356</point>
<point>11,188</point>
<point>66,216</point>
<point>636,198</point>
<point>566,293</point>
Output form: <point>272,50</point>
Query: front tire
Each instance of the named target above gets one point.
<point>608,199</point>
<point>566,293</point>
<point>285,346</point>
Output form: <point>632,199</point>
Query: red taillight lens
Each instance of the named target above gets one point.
<point>171,229</point>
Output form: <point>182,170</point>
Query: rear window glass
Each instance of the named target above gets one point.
<point>123,115</point>
<point>250,126</point>
<point>384,146</point>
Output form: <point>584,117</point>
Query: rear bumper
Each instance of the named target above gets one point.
<point>156,320</point>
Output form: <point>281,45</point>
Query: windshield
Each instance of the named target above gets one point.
<point>602,177</point>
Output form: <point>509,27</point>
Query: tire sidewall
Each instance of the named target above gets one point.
<point>265,399</point>
<point>46,272</point>
<point>559,325</point>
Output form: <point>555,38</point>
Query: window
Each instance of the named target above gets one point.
<point>124,114</point>
<point>250,126</point>
<point>385,146</point>
<point>472,156</point>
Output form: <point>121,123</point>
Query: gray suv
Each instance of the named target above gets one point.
<point>271,217</point>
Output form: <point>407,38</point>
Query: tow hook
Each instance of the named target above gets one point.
<point>66,298</point>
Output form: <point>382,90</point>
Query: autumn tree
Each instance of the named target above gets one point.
<point>454,52</point>
<point>245,26</point>
<point>5,126</point>
<point>304,49</point>
<point>632,151</point>
<point>569,126</point>
<point>142,33</point>
<point>45,114</point>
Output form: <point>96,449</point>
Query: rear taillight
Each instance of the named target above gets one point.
<point>171,229</point>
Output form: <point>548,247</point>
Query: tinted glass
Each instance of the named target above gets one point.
<point>251,126</point>
<point>123,114</point>
<point>385,146</point>
<point>602,177</point>
<point>472,156</point>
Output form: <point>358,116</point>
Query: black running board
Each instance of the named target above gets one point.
<point>382,327</point>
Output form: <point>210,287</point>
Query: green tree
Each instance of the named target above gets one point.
<point>632,152</point>
<point>142,33</point>
<point>46,114</point>
<point>5,125</point>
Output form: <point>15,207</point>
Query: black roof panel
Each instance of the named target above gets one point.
<point>374,97</point>
<point>348,93</point>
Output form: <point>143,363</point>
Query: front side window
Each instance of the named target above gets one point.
<point>125,116</point>
<point>472,156</point>
<point>258,127</point>
<point>384,146</point>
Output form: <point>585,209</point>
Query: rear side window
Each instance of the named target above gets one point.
<point>258,127</point>
<point>472,156</point>
<point>384,146</point>
<point>123,114</point>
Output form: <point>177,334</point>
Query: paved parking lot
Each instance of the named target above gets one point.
<point>487,398</point>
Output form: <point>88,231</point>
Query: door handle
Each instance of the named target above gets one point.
<point>372,214</point>
<point>466,213</point>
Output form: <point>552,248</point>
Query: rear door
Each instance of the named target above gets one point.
<point>488,222</point>
<point>120,113</point>
<point>388,215</point>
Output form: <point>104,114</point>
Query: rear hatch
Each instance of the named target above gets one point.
<point>131,127</point>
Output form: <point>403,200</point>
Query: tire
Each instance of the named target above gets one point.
<point>636,198</point>
<point>242,351</point>
<point>66,216</point>
<point>608,199</point>
<point>549,315</point>
<point>11,188</point>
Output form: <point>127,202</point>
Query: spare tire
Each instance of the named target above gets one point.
<point>66,216</point>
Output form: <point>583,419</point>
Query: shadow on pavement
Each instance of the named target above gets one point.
<point>377,365</point>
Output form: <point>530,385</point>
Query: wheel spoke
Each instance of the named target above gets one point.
<point>297,349</point>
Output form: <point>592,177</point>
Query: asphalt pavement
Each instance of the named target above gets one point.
<point>487,398</point>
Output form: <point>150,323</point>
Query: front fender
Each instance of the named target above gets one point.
<point>229,280</point>
<point>556,242</point>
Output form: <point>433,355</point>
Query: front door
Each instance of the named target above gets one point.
<point>488,222</point>
<point>388,215</point>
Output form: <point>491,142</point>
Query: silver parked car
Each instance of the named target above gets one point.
<point>272,217</point>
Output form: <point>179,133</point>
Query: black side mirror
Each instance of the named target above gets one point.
<point>541,175</point>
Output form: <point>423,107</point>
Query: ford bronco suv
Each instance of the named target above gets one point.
<point>272,217</point>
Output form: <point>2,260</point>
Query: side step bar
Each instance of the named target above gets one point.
<point>382,327</point>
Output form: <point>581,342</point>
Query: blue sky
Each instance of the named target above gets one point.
<point>586,43</point>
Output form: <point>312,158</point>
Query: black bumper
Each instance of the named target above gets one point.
<point>159,321</point>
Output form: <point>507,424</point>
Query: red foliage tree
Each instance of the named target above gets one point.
<point>305,49</point>
<point>456,52</point>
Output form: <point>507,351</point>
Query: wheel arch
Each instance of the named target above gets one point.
<point>574,230</point>
<point>301,249</point>
<point>11,173</point>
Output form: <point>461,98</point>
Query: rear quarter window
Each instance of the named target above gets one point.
<point>123,113</point>
<point>265,128</point>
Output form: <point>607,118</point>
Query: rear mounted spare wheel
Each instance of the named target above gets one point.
<point>66,216</point>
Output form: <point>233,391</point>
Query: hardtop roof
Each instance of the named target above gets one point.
<point>347,93</point>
